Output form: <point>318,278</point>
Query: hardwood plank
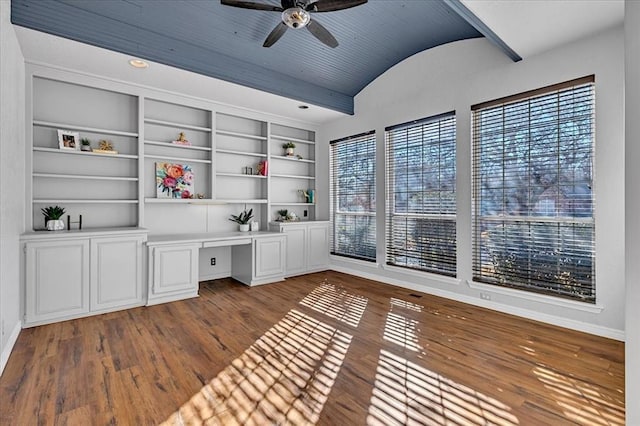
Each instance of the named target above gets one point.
<point>325,348</point>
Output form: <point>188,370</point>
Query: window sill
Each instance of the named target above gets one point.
<point>353,260</point>
<point>548,300</point>
<point>423,274</point>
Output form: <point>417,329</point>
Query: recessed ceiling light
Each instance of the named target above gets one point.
<point>303,106</point>
<point>138,63</point>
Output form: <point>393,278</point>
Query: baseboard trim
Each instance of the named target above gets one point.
<point>13,338</point>
<point>597,330</point>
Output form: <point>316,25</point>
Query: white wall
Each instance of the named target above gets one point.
<point>632,209</point>
<point>458,75</point>
<point>11,182</point>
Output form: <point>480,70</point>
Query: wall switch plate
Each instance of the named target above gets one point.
<point>305,213</point>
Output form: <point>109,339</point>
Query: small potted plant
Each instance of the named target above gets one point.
<point>242,219</point>
<point>282,215</point>
<point>85,144</point>
<point>52,217</point>
<point>288,148</point>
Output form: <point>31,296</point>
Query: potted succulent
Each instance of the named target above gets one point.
<point>242,219</point>
<point>85,144</point>
<point>288,148</point>
<point>52,217</point>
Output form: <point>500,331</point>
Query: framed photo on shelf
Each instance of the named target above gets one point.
<point>68,140</point>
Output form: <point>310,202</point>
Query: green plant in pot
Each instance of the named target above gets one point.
<point>288,148</point>
<point>52,215</point>
<point>242,219</point>
<point>85,144</point>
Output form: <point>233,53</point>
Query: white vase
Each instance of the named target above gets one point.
<point>255,226</point>
<point>289,152</point>
<point>244,227</point>
<point>55,225</point>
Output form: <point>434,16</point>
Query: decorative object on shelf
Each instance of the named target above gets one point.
<point>105,147</point>
<point>182,140</point>
<point>174,180</point>
<point>286,216</point>
<point>247,170</point>
<point>243,219</point>
<point>52,215</point>
<point>199,196</point>
<point>68,139</point>
<point>85,144</point>
<point>69,222</point>
<point>309,195</point>
<point>288,148</point>
<point>255,226</point>
<point>299,157</point>
<point>263,168</point>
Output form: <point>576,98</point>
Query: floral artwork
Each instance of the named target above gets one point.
<point>174,180</point>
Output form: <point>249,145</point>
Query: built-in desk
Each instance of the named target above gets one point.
<point>256,258</point>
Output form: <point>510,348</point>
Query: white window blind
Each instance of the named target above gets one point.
<point>353,196</point>
<point>421,194</point>
<point>533,201</point>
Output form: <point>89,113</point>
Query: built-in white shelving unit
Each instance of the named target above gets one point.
<point>83,182</point>
<point>120,189</point>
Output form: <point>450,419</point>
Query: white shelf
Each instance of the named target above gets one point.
<point>94,154</point>
<point>66,126</point>
<point>175,145</point>
<point>292,158</point>
<point>293,176</point>
<point>83,201</point>
<point>172,158</point>
<point>232,152</point>
<point>239,201</point>
<point>89,177</point>
<point>240,175</point>
<point>292,204</point>
<point>176,125</point>
<point>241,135</point>
<point>285,138</point>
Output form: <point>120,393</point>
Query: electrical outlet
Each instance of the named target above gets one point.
<point>305,213</point>
<point>213,261</point>
<point>485,296</point>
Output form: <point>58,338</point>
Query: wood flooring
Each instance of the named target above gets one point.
<point>326,348</point>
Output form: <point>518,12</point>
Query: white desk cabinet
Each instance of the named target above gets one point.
<point>307,246</point>
<point>71,274</point>
<point>261,262</point>
<point>173,272</point>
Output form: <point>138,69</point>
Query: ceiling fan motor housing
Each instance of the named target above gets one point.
<point>296,17</point>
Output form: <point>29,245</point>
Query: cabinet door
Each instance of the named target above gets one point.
<point>116,272</point>
<point>269,256</point>
<point>318,247</point>
<point>57,280</point>
<point>296,249</point>
<point>175,269</point>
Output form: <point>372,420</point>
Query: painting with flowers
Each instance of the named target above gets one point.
<point>174,180</point>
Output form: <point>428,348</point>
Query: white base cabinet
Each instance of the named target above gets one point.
<point>261,262</point>
<point>173,272</point>
<point>75,274</point>
<point>307,246</point>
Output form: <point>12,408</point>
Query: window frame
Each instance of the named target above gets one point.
<point>582,292</point>
<point>356,216</point>
<point>442,260</point>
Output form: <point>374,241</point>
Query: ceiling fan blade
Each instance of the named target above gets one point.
<point>275,35</point>
<point>251,5</point>
<point>321,33</point>
<point>332,5</point>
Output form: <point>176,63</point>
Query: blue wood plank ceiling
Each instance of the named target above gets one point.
<point>226,42</point>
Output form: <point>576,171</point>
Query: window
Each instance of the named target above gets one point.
<point>353,196</point>
<point>533,199</point>
<point>421,197</point>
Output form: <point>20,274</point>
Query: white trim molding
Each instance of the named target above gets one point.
<point>13,338</point>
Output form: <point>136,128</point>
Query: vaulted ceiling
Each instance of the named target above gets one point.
<point>224,42</point>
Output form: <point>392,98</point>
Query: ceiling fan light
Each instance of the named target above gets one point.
<point>296,17</point>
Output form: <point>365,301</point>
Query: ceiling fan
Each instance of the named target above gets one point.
<point>296,14</point>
